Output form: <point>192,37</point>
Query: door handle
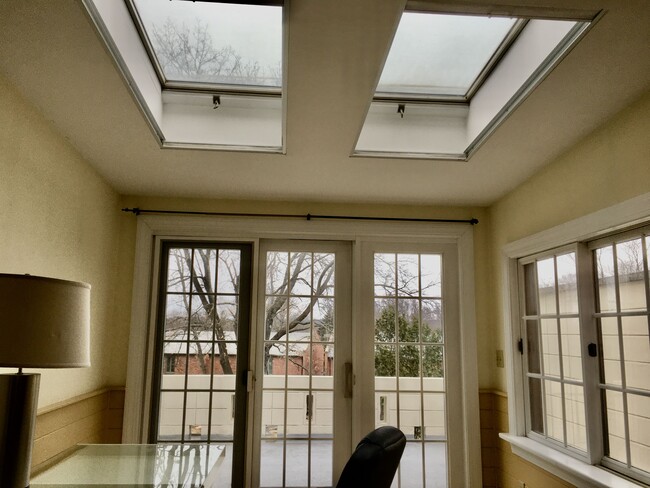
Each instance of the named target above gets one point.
<point>310,406</point>
<point>349,381</point>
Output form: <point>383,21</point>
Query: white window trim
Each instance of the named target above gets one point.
<point>634,211</point>
<point>151,229</point>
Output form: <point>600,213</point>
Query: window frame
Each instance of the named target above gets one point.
<point>587,366</point>
<point>486,70</point>
<point>206,87</point>
<point>580,232</point>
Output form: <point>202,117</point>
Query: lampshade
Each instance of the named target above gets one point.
<point>44,322</point>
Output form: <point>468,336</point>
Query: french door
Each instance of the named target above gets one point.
<point>305,336</point>
<point>332,358</point>
<point>408,357</point>
<point>203,350</point>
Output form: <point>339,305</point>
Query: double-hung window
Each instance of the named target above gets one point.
<point>584,327</point>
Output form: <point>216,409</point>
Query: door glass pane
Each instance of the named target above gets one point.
<point>298,386</point>
<point>410,472</point>
<point>385,275</point>
<point>324,274</point>
<point>431,323</point>
<point>176,316</point>
<point>436,464</point>
<point>178,270</point>
<point>170,417</point>
<point>431,270</point>
<point>435,427</point>
<point>546,286</point>
<point>323,323</point>
<point>408,320</point>
<point>409,362</point>
<point>567,283</point>
<point>201,346</point>
<point>321,474</point>
<point>229,266</point>
<point>408,275</point>
<point>530,289</point>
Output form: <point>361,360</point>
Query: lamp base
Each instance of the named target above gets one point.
<point>18,404</point>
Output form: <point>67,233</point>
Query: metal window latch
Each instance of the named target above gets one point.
<point>520,346</point>
<point>592,350</point>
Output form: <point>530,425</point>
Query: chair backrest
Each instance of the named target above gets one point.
<point>374,462</point>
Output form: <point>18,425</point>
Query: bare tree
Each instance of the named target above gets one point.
<point>191,275</point>
<point>190,52</point>
<point>193,271</point>
<point>282,278</point>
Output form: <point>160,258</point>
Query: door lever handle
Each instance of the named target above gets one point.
<point>349,381</point>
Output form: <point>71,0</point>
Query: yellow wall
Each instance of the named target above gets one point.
<point>58,219</point>
<point>611,165</point>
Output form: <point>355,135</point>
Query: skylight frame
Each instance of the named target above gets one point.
<point>206,87</point>
<point>484,73</point>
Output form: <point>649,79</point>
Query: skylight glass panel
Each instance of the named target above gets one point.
<point>441,55</point>
<point>214,43</point>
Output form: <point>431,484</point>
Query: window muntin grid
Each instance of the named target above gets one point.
<point>615,327</point>
<point>553,361</point>
<point>623,319</point>
<point>410,388</point>
<point>298,364</point>
<point>212,43</point>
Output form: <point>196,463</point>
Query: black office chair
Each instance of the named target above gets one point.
<point>374,462</point>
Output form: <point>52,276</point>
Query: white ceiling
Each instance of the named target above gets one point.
<point>50,51</point>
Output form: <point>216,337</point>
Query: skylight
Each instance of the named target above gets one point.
<point>440,55</point>
<point>206,45</point>
<point>450,80</point>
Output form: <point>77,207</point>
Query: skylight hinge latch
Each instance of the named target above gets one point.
<point>401,108</point>
<point>216,102</point>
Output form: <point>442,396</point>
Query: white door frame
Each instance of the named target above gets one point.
<point>151,229</point>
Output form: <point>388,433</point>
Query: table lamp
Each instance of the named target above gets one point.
<point>44,323</point>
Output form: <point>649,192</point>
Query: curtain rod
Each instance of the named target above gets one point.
<point>138,211</point>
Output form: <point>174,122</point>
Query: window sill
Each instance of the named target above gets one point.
<point>564,466</point>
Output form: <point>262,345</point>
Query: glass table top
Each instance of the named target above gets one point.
<point>144,465</point>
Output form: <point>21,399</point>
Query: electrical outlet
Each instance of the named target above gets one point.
<point>500,358</point>
<point>522,484</point>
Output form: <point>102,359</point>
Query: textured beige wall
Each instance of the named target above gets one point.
<point>58,219</point>
<point>609,166</point>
